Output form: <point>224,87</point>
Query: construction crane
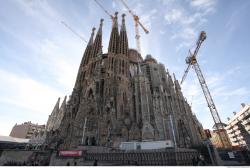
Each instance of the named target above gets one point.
<point>191,60</point>
<point>137,23</point>
<point>100,5</point>
<point>73,31</point>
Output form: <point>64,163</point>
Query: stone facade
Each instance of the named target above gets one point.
<point>238,127</point>
<point>55,119</point>
<point>119,96</point>
<point>26,130</point>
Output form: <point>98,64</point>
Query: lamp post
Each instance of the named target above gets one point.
<point>84,127</point>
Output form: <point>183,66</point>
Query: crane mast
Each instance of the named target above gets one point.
<point>137,23</point>
<point>208,96</point>
<point>192,61</point>
<point>137,37</point>
<point>101,6</point>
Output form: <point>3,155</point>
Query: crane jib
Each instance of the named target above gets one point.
<point>192,61</point>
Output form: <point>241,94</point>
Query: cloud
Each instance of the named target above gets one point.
<point>27,93</point>
<point>24,99</point>
<point>40,10</point>
<point>186,34</point>
<point>173,16</point>
<point>53,58</point>
<point>204,4</point>
<point>146,19</point>
<point>239,92</point>
<point>185,23</point>
<point>63,69</point>
<point>56,53</point>
<point>162,31</point>
<point>113,4</point>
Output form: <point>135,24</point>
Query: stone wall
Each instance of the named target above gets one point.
<point>13,155</point>
<point>146,157</point>
<point>28,156</point>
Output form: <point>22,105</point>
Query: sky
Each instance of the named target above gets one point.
<point>39,56</point>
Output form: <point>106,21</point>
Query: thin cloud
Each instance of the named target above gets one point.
<point>30,99</point>
<point>29,94</point>
<point>173,16</point>
<point>209,5</point>
<point>185,24</point>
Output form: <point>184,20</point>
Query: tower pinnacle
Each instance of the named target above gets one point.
<point>87,52</point>
<point>114,37</point>
<point>100,27</point>
<point>85,57</point>
<point>98,41</point>
<point>123,27</point>
<point>92,36</point>
<point>116,20</point>
<point>123,48</point>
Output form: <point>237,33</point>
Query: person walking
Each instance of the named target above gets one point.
<point>201,161</point>
<point>95,163</point>
<point>194,161</point>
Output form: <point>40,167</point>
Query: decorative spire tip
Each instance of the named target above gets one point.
<point>116,13</point>
<point>174,76</point>
<point>101,21</point>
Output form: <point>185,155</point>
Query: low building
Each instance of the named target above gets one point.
<point>7,142</point>
<point>238,127</point>
<point>220,138</point>
<point>26,130</point>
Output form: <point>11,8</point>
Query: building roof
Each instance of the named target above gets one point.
<point>242,110</point>
<point>150,59</point>
<point>11,139</point>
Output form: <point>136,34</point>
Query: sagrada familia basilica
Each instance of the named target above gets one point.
<point>119,97</point>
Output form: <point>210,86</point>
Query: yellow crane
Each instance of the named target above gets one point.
<point>191,60</point>
<point>137,23</point>
<point>73,31</point>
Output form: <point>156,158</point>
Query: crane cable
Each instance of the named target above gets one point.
<point>73,31</point>
<point>103,9</point>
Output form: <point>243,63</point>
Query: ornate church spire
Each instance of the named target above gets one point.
<point>114,37</point>
<point>89,47</point>
<point>97,46</point>
<point>85,57</point>
<point>52,116</point>
<point>123,48</point>
<point>56,108</point>
<point>176,84</point>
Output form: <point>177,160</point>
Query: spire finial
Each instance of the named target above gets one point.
<point>93,31</point>
<point>174,76</point>
<point>100,28</point>
<point>92,36</point>
<point>101,21</point>
<point>123,22</point>
<point>116,13</point>
<point>123,18</point>
<point>115,23</point>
